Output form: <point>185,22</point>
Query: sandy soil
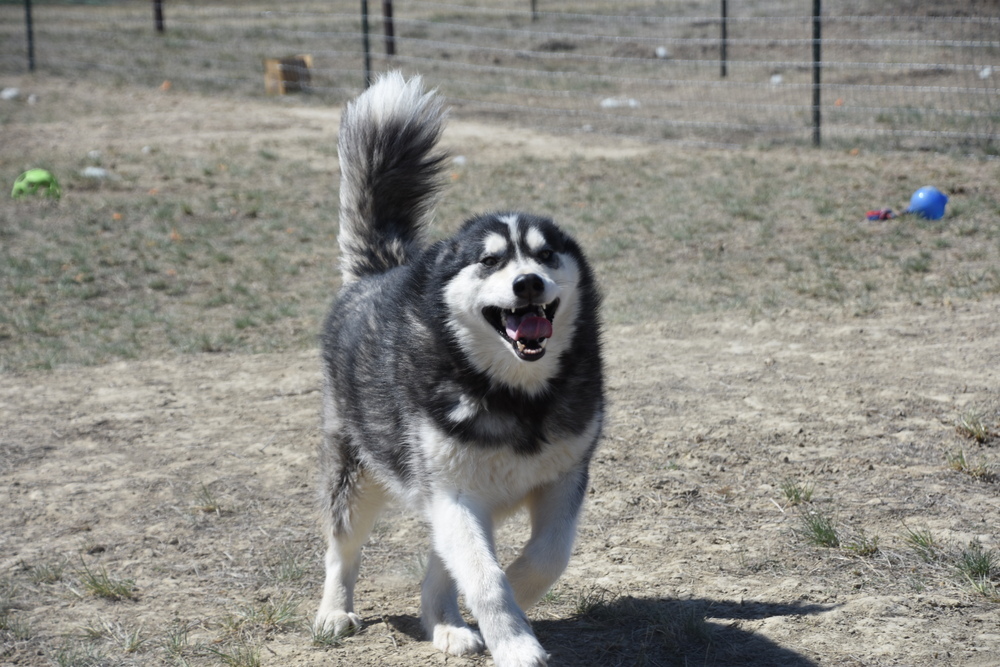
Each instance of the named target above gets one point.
<point>193,476</point>
<point>709,416</point>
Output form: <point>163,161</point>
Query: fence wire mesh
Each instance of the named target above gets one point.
<point>912,74</point>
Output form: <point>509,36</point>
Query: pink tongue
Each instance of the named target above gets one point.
<point>532,327</point>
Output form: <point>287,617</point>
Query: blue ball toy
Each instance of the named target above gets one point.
<point>928,202</point>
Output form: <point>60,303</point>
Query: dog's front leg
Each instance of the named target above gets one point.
<point>554,509</point>
<point>463,538</point>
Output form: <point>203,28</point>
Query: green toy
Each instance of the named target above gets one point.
<point>36,182</point>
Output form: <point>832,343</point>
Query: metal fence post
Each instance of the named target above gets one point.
<point>817,66</point>
<point>390,31</point>
<point>364,42</point>
<point>158,15</point>
<point>31,35</point>
<point>723,38</point>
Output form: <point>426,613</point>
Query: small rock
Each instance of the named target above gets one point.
<point>10,94</point>
<point>99,174</point>
<point>619,102</point>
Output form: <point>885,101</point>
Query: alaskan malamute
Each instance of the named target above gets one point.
<point>463,378</point>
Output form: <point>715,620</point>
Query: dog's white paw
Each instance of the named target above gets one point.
<point>336,622</point>
<point>457,640</point>
<point>523,651</point>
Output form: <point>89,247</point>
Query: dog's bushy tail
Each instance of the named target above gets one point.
<point>389,174</point>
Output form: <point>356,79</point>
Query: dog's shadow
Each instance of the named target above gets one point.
<point>655,631</point>
<point>629,631</point>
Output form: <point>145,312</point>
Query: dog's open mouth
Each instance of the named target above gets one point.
<point>527,329</point>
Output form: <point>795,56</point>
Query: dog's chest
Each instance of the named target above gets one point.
<point>500,475</point>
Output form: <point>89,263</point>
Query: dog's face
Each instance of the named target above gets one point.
<point>512,302</point>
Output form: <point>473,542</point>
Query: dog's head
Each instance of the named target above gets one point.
<point>511,297</point>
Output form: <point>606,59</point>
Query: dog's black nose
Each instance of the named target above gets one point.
<point>528,286</point>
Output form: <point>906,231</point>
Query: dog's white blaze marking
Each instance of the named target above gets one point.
<point>511,221</point>
<point>535,239</point>
<point>495,244</point>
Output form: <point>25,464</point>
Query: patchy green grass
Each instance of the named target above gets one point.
<point>923,543</point>
<point>240,654</point>
<point>863,545</point>
<point>206,501</point>
<point>977,562</point>
<point>328,638</point>
<point>980,568</point>
<point>819,530</point>
<point>175,644</point>
<point>47,573</point>
<point>97,581</point>
<point>796,493</point>
<point>593,599</point>
<point>13,627</point>
<point>978,470</point>
<point>277,614</point>
<point>975,425</point>
<point>128,639</point>
<point>76,654</point>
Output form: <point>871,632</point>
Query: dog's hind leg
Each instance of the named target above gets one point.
<point>351,502</point>
<point>440,614</point>
<point>554,509</point>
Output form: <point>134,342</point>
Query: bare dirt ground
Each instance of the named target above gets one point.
<point>708,418</point>
<point>192,478</point>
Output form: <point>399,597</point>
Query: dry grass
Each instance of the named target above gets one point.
<point>977,425</point>
<point>225,250</point>
<point>978,470</point>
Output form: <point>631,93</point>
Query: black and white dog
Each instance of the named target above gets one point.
<point>463,378</point>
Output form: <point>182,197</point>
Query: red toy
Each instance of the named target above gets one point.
<point>881,214</point>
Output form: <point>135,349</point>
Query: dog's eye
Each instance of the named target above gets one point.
<point>489,260</point>
<point>545,254</point>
